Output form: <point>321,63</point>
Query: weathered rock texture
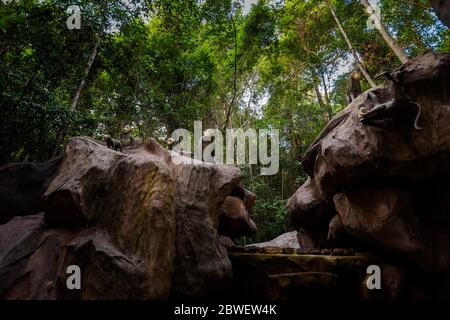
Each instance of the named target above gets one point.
<point>22,186</point>
<point>201,262</point>
<point>310,215</point>
<point>380,181</point>
<point>138,225</point>
<point>235,219</point>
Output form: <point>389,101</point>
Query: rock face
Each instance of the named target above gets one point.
<point>234,218</point>
<point>22,186</point>
<point>310,215</point>
<point>137,224</point>
<point>34,265</point>
<point>202,266</point>
<point>382,216</point>
<point>129,198</point>
<point>384,182</point>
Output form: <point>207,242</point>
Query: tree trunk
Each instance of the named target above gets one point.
<point>233,101</point>
<point>325,112</point>
<point>352,50</point>
<point>62,131</point>
<point>325,90</point>
<point>384,33</point>
<point>28,85</point>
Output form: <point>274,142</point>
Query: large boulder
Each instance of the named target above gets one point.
<point>139,225</point>
<point>353,151</point>
<point>383,173</point>
<point>202,266</point>
<point>30,258</point>
<point>382,216</point>
<point>129,198</point>
<point>234,219</point>
<point>35,267</point>
<point>22,186</point>
<point>310,215</point>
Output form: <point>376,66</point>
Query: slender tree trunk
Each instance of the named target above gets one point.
<point>62,131</point>
<point>325,89</point>
<point>352,50</point>
<point>233,101</point>
<point>325,113</point>
<point>326,107</point>
<point>319,98</point>
<point>384,33</point>
<point>28,85</point>
<point>250,173</point>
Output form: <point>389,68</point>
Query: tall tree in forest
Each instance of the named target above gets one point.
<point>302,37</point>
<point>358,60</point>
<point>383,31</point>
<point>231,105</point>
<point>62,131</point>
